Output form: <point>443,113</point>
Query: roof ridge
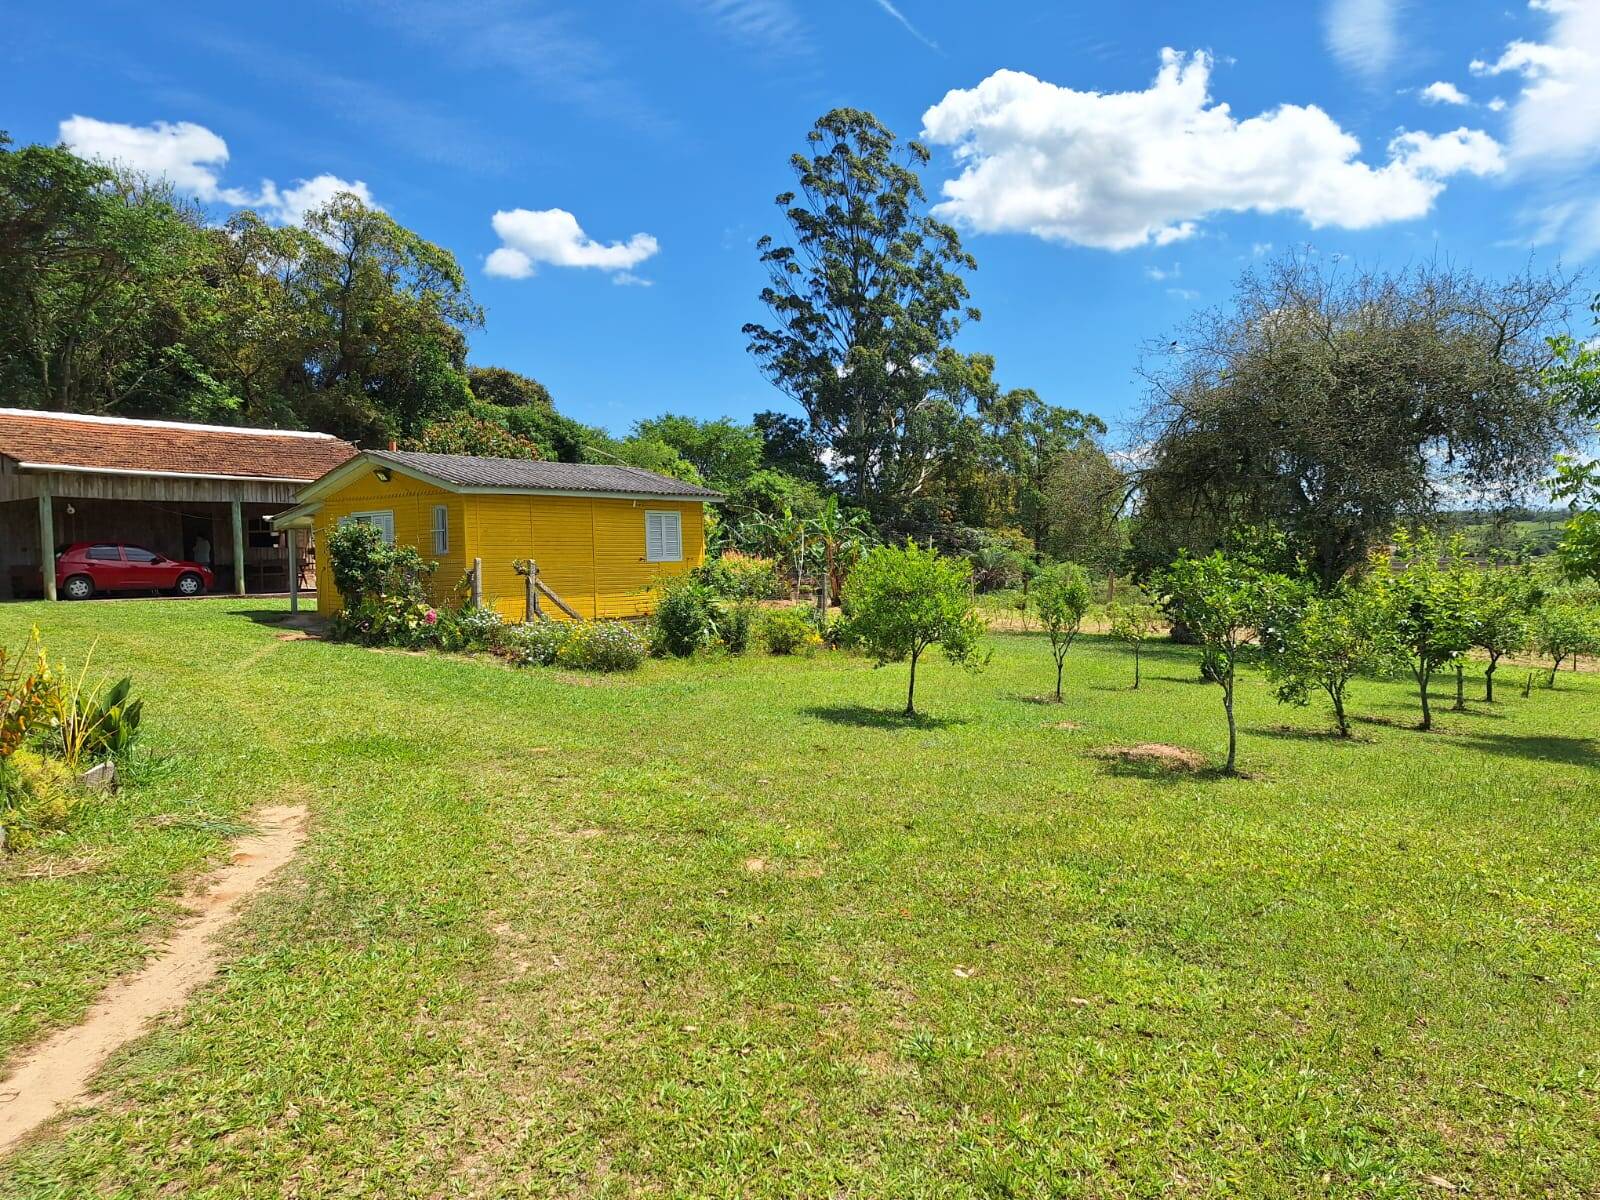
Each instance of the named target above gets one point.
<point>151,422</point>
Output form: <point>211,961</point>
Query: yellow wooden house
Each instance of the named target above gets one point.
<point>601,535</point>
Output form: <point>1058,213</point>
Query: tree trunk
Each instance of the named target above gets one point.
<point>1423,676</point>
<point>1059,663</point>
<point>1488,679</point>
<point>911,688</point>
<point>1337,696</point>
<point>1136,666</point>
<point>1461,688</point>
<point>1233,732</point>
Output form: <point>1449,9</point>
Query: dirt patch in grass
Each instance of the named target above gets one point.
<point>1064,725</point>
<point>58,1072</point>
<point>1158,754</point>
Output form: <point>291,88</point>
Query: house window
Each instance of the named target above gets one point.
<point>259,534</point>
<point>663,537</point>
<point>384,520</point>
<point>441,529</point>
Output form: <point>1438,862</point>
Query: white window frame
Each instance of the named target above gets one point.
<point>383,518</point>
<point>441,529</point>
<point>668,519</point>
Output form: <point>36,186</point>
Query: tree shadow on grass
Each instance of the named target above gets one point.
<point>865,717</point>
<point>1295,734</point>
<point>1578,751</point>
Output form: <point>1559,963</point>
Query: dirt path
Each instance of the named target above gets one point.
<point>57,1073</point>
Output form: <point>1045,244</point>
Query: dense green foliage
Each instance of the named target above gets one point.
<point>1575,375</point>
<point>1336,404</point>
<point>1061,596</point>
<point>900,600</point>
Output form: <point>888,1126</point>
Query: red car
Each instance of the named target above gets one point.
<point>84,568</point>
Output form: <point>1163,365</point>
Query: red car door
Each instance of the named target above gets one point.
<point>105,567</point>
<point>145,569</point>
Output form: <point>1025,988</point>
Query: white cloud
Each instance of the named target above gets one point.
<point>1443,92</point>
<point>1135,168</point>
<point>1556,118</point>
<point>1160,274</point>
<point>553,237</point>
<point>1496,105</point>
<point>772,26</point>
<point>191,158</point>
<point>1364,35</point>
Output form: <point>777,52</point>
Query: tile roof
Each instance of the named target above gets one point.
<point>119,444</point>
<point>465,470</point>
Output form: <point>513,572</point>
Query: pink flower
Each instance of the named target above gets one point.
<point>432,618</point>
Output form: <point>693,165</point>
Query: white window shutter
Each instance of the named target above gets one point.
<point>672,537</point>
<point>654,537</point>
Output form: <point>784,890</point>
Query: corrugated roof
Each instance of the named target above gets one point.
<point>465,470</point>
<point>116,444</point>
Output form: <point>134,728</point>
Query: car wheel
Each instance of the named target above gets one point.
<point>78,587</point>
<point>190,584</point>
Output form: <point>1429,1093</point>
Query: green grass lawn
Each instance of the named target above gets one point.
<point>731,928</point>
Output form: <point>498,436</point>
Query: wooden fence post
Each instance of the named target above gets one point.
<point>477,583</point>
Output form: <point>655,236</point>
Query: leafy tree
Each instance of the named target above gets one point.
<point>1563,629</point>
<point>1023,441</point>
<point>1576,377</point>
<point>1429,603</point>
<point>723,452</point>
<point>1132,624</point>
<point>789,447</point>
<point>507,389</point>
<point>864,307</point>
<point>467,433</point>
<point>901,600</point>
<point>1081,498</point>
<point>1502,619</point>
<point>1061,596</point>
<point>1223,601</point>
<point>1336,637</point>
<point>1337,403</point>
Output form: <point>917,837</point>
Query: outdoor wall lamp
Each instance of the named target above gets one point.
<point>383,474</point>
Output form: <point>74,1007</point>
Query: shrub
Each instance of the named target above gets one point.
<point>36,793</point>
<point>684,619</point>
<point>387,621</point>
<point>26,691</point>
<point>901,600</point>
<point>468,628</point>
<point>366,567</point>
<point>1132,624</point>
<point>737,625</point>
<point>601,646</point>
<point>533,645</point>
<point>741,576</point>
<point>91,721</point>
<point>1563,629</point>
<point>788,631</point>
<point>1338,636</point>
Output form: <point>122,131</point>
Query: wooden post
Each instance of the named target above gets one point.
<point>477,583</point>
<point>294,570</point>
<point>238,547</point>
<point>47,544</point>
<point>532,598</point>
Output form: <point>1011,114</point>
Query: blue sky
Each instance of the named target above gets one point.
<point>1112,166</point>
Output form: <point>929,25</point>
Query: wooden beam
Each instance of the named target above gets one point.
<point>294,569</point>
<point>477,583</point>
<point>238,547</point>
<point>555,599</point>
<point>47,544</point>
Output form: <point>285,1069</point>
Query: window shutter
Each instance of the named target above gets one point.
<point>672,537</point>
<point>654,537</point>
<point>441,529</point>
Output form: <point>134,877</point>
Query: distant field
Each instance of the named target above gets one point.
<point>733,928</point>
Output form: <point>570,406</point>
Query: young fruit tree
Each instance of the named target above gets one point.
<point>1062,596</point>
<point>1564,629</point>
<point>1429,603</point>
<point>1132,624</point>
<point>900,600</point>
<point>1335,638</point>
<point>1223,602</point>
<point>1503,619</point>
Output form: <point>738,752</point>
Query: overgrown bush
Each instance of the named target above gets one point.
<point>383,588</point>
<point>468,628</point>
<point>684,618</point>
<point>533,645</point>
<point>37,793</point>
<point>737,625</point>
<point>789,631</point>
<point>741,576</point>
<point>601,646</point>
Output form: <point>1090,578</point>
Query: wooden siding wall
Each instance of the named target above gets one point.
<point>412,503</point>
<point>590,551</point>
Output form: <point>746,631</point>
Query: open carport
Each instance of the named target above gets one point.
<point>185,491</point>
